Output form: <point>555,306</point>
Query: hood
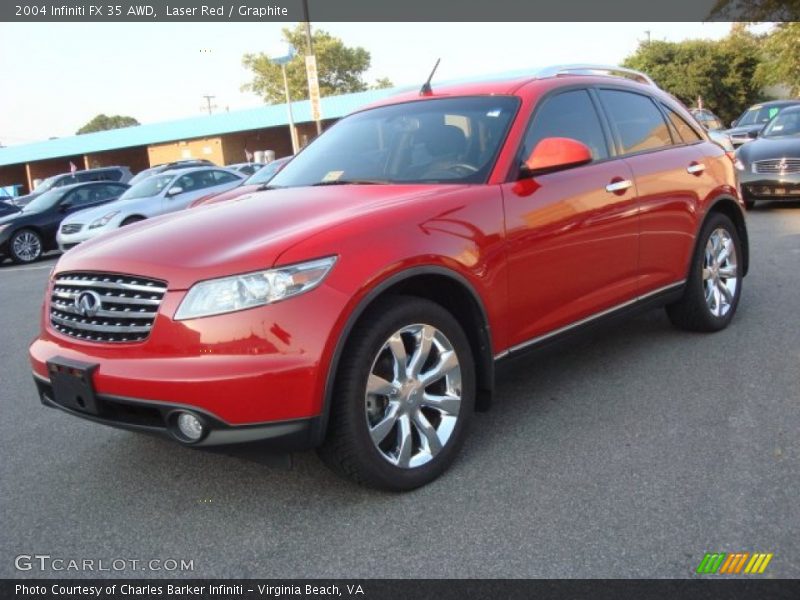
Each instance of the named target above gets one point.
<point>746,130</point>
<point>766,148</point>
<point>232,237</point>
<point>88,215</point>
<point>18,216</point>
<point>229,195</point>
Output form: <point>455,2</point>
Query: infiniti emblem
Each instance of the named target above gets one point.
<point>88,303</point>
<point>782,165</point>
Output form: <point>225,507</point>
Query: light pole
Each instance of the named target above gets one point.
<point>311,70</point>
<point>283,61</point>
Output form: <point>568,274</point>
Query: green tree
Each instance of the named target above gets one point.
<point>340,68</point>
<point>782,57</point>
<point>103,122</point>
<point>382,83</point>
<point>722,72</point>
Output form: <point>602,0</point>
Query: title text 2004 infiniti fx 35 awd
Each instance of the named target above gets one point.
<point>362,306</point>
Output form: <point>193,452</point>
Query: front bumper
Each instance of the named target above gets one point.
<point>252,367</point>
<point>70,240</point>
<point>157,418</point>
<point>756,186</point>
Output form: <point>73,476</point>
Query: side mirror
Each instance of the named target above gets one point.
<point>174,191</point>
<point>555,153</point>
<point>65,207</point>
<point>733,123</point>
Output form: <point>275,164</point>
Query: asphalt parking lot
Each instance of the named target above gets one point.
<point>627,454</point>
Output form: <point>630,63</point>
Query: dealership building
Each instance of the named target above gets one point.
<point>222,138</point>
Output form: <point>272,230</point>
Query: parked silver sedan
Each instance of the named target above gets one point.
<point>157,195</point>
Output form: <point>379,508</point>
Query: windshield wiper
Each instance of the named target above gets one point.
<point>266,186</point>
<point>351,182</point>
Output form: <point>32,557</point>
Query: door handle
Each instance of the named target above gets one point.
<point>619,187</point>
<point>696,168</point>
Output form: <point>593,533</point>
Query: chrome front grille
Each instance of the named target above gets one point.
<point>71,228</point>
<point>105,307</point>
<point>777,166</point>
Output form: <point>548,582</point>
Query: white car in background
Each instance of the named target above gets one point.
<point>157,195</point>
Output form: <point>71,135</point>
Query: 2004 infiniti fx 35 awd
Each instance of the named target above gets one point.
<point>361,307</point>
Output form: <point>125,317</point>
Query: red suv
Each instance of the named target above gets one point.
<point>363,306</point>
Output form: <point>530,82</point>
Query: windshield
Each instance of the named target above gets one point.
<point>43,201</point>
<point>46,184</point>
<point>141,176</point>
<point>450,140</point>
<point>786,123</point>
<point>758,115</point>
<point>151,186</point>
<point>264,174</point>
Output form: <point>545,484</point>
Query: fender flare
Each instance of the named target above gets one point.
<point>485,362</point>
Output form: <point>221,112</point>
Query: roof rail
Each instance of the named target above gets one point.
<point>587,69</point>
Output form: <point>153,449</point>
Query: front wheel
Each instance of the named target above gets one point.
<point>25,246</point>
<point>715,279</point>
<point>404,395</point>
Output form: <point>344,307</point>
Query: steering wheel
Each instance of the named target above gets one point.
<point>448,171</point>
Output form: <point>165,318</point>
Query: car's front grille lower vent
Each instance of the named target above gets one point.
<point>105,307</point>
<point>778,166</point>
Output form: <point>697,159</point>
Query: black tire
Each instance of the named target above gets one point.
<point>20,256</point>
<point>348,448</point>
<point>131,221</point>
<point>692,312</point>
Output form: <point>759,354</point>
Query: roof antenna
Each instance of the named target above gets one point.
<point>426,87</point>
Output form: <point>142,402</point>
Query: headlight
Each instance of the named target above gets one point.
<point>739,164</point>
<point>229,294</point>
<point>103,221</point>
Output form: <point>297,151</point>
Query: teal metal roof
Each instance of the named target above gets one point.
<point>333,107</point>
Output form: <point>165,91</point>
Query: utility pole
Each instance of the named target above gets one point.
<point>310,53</point>
<point>647,31</point>
<point>210,107</point>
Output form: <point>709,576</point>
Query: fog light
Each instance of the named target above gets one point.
<point>190,426</point>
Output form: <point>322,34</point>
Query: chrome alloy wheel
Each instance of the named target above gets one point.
<point>720,272</point>
<point>413,395</point>
<point>26,246</point>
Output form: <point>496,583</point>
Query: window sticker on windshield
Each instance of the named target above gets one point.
<point>494,113</point>
<point>333,175</point>
<point>773,112</point>
<point>777,127</point>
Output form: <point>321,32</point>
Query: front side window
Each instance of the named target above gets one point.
<point>152,186</point>
<point>221,177</point>
<point>639,124</point>
<point>447,140</point>
<point>569,115</point>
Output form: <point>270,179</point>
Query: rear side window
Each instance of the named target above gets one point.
<point>640,125</point>
<point>569,115</point>
<point>685,131</point>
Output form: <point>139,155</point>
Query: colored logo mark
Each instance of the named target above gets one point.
<point>736,563</point>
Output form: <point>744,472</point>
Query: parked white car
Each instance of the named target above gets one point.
<point>157,195</point>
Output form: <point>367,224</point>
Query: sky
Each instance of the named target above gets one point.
<point>57,76</point>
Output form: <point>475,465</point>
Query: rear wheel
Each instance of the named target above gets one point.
<point>404,395</point>
<point>25,246</point>
<point>715,279</point>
